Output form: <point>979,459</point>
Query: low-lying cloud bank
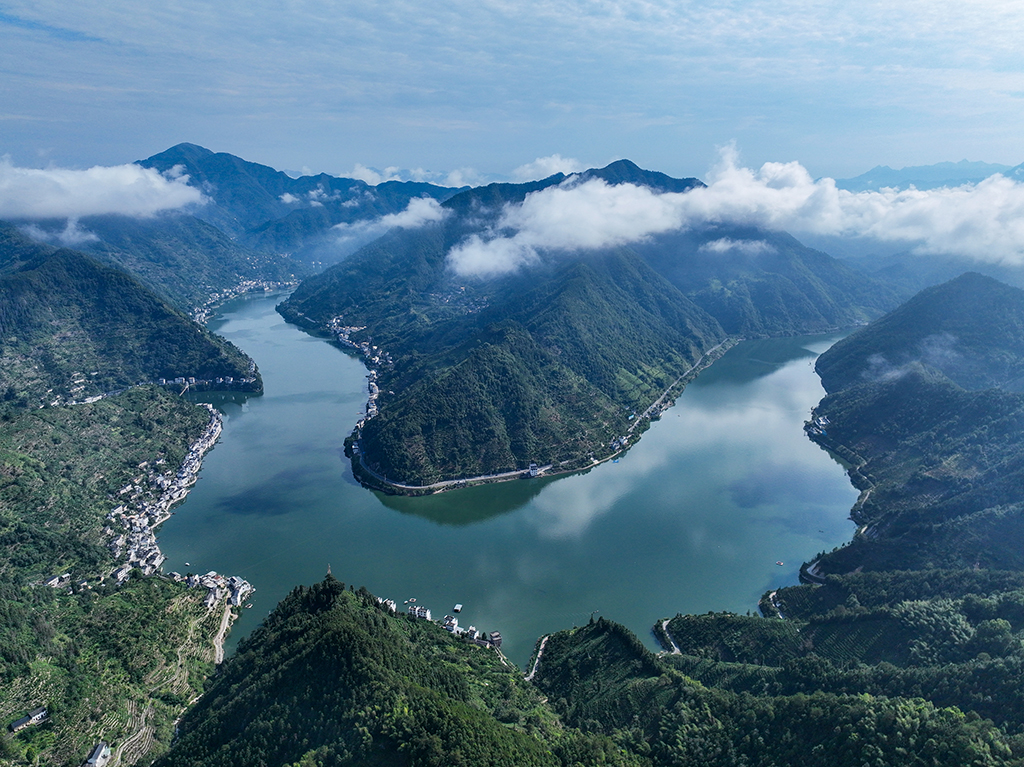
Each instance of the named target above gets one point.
<point>419,211</point>
<point>131,190</point>
<point>983,221</point>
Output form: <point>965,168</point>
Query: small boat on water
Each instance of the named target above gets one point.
<point>780,563</point>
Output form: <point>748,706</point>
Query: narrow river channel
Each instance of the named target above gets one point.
<point>694,518</point>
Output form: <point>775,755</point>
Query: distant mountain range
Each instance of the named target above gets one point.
<point>928,176</point>
<point>555,364</point>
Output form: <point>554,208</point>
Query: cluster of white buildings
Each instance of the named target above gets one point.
<point>218,587</point>
<point>451,623</point>
<point>375,358</point>
<point>817,425</point>
<point>202,313</point>
<point>619,443</point>
<point>189,381</point>
<point>148,501</point>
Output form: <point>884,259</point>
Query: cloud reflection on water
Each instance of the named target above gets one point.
<point>718,440</point>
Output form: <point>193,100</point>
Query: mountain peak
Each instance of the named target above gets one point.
<point>628,172</point>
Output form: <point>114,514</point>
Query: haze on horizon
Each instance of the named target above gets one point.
<point>467,92</point>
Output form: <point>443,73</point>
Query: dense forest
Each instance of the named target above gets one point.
<point>934,429</point>
<point>334,677</point>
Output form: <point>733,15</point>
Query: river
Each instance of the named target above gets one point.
<point>692,519</point>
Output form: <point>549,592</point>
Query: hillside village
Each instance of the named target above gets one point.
<point>375,358</point>
<point>147,502</point>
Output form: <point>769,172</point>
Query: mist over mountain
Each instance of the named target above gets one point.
<point>970,329</point>
<point>926,405</point>
<point>310,217</point>
<point>184,259</point>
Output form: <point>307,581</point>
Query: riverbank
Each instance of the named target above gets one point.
<point>375,481</point>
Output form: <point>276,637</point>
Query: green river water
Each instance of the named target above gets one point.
<point>692,519</point>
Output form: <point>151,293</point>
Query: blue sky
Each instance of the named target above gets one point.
<point>483,87</point>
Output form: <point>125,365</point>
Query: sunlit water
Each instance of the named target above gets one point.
<point>693,518</point>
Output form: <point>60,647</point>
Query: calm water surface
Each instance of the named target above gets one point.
<point>691,519</point>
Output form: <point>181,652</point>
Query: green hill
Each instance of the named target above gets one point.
<point>528,369</point>
<point>333,678</point>
<point>758,283</point>
<point>183,259</point>
<point>71,328</point>
<point>938,455</point>
<point>971,329</point>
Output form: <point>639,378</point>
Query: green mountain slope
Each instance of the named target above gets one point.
<point>332,677</point>
<point>106,660</point>
<point>72,328</point>
<point>548,364</point>
<point>547,373</point>
<point>941,465</point>
<point>601,679</point>
<point>952,637</point>
<point>971,329</point>
<point>761,283</point>
<point>184,259</point>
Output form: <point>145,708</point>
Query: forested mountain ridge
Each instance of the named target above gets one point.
<point>397,690</point>
<point>549,373</point>
<point>333,677</point>
<point>71,327</point>
<point>548,364</point>
<point>184,259</point>
<point>268,210</point>
<point>970,329</point>
<point>940,461</point>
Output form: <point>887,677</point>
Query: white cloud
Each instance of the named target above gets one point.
<point>464,177</point>
<point>373,177</point>
<point>71,236</point>
<point>419,211</point>
<point>62,193</point>
<point>984,221</point>
<point>543,167</point>
<point>747,247</point>
<point>288,198</point>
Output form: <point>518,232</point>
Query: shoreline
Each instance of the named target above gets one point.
<point>379,482</point>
